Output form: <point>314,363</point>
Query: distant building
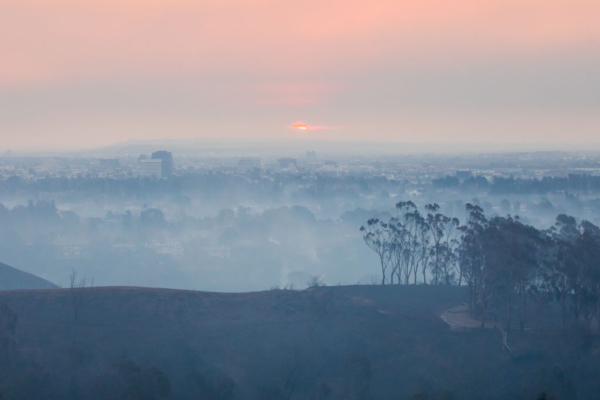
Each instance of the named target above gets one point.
<point>142,157</point>
<point>150,168</point>
<point>248,164</point>
<point>311,156</point>
<point>167,162</point>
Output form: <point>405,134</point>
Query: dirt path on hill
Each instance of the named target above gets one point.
<point>459,319</point>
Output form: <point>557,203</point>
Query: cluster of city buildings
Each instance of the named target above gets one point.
<point>407,167</point>
<point>158,165</point>
<point>285,164</point>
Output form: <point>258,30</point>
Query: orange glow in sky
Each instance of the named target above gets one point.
<point>301,127</point>
<point>87,73</point>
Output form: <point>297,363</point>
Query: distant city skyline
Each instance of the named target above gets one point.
<point>86,74</point>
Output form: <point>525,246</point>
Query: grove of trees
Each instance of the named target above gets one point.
<point>513,271</point>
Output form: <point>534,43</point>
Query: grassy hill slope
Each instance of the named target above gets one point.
<point>351,342</point>
<point>14,279</point>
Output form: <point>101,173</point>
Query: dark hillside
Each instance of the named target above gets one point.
<point>350,342</point>
<point>14,279</point>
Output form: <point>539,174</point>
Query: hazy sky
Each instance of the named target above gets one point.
<point>82,73</point>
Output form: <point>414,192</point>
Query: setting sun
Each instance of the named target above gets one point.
<point>301,127</point>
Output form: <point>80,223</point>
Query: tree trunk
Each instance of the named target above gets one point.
<point>509,312</point>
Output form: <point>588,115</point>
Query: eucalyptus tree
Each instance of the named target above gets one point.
<point>425,250</point>
<point>442,229</point>
<point>562,271</point>
<point>587,262</point>
<point>574,275</point>
<point>378,236</point>
<point>413,245</point>
<point>511,251</point>
<point>407,243</point>
<point>472,259</point>
<point>399,236</point>
<point>577,269</point>
<point>540,287</point>
<point>399,239</point>
<point>452,237</point>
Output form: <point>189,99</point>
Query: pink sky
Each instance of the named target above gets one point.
<point>86,73</point>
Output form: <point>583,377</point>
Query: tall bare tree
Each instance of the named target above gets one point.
<point>377,236</point>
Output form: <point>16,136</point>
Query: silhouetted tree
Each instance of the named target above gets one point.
<point>377,237</point>
<point>77,293</point>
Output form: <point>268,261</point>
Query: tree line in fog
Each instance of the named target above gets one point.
<point>268,184</point>
<point>513,271</point>
<point>522,186</point>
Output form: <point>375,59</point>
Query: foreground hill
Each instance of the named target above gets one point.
<point>14,279</point>
<point>351,342</point>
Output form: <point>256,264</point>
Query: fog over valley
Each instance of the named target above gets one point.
<point>249,223</point>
